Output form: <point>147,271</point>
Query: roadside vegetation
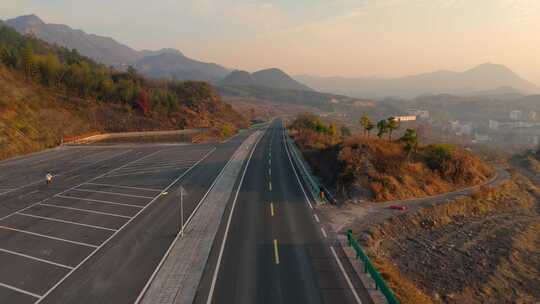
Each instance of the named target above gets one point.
<point>380,165</point>
<point>48,93</point>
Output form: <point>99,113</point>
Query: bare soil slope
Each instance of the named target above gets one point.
<point>482,249</point>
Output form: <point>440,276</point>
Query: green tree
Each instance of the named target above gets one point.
<point>8,57</point>
<point>391,126</point>
<point>49,68</point>
<point>382,126</point>
<point>27,60</point>
<point>366,123</point>
<point>410,139</point>
<point>437,155</point>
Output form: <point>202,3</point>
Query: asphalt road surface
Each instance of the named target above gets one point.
<point>271,247</point>
<point>96,234</point>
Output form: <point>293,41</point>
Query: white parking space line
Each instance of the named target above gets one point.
<point>113,193</point>
<point>168,167</point>
<point>98,201</point>
<point>162,164</point>
<point>124,187</point>
<point>64,173</point>
<point>36,259</point>
<point>48,237</point>
<point>66,222</point>
<point>20,290</point>
<point>122,227</point>
<point>141,172</point>
<point>84,210</point>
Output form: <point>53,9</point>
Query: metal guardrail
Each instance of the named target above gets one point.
<point>307,176</point>
<point>380,283</point>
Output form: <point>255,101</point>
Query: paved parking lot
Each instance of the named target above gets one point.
<point>43,244</point>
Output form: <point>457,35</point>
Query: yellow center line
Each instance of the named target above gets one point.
<point>272,211</point>
<point>276,252</point>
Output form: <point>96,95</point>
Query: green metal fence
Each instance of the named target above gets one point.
<point>311,181</point>
<point>369,268</point>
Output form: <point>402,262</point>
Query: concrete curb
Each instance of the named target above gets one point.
<point>177,278</point>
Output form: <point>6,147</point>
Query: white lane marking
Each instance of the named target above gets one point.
<point>324,232</point>
<point>65,222</point>
<point>36,259</point>
<point>351,286</point>
<point>124,187</point>
<point>19,290</point>
<point>64,173</point>
<point>269,171</point>
<point>316,218</point>
<point>98,201</point>
<point>225,235</point>
<point>296,174</point>
<point>158,267</point>
<point>48,237</point>
<point>270,186</point>
<point>113,193</point>
<point>121,228</point>
<point>92,179</point>
<point>84,210</point>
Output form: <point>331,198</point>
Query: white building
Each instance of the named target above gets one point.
<point>516,115</point>
<point>423,114</point>
<point>403,118</point>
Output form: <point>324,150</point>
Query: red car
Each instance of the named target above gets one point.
<point>398,207</point>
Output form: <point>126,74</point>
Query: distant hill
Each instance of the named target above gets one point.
<point>483,78</point>
<point>162,63</point>
<point>177,66</point>
<point>270,78</point>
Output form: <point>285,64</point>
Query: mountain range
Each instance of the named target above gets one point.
<point>485,79</point>
<point>167,63</point>
<point>480,79</point>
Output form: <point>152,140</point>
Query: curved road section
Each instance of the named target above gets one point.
<point>271,247</point>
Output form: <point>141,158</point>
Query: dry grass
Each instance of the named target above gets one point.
<point>479,249</point>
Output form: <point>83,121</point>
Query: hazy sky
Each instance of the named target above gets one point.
<point>383,38</point>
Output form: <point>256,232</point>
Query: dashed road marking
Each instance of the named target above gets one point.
<point>276,252</point>
<point>316,218</point>
<point>272,211</point>
<point>324,232</point>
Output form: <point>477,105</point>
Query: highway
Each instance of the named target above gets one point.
<point>271,246</point>
<point>97,233</point>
